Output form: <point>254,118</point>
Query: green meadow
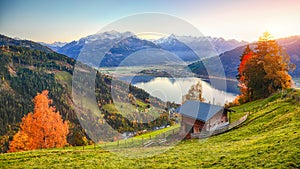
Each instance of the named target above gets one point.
<point>269,138</point>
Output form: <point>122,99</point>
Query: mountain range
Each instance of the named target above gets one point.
<point>128,43</point>
<point>171,48</point>
<point>177,49</point>
<point>54,46</point>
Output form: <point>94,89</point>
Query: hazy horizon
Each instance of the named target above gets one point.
<point>147,38</point>
<point>64,21</point>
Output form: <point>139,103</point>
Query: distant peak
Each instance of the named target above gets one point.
<point>173,36</point>
<point>112,32</point>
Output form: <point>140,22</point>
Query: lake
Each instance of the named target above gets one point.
<point>172,89</point>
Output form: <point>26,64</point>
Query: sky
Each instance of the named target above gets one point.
<point>67,20</point>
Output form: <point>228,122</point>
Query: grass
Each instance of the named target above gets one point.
<point>270,138</point>
<point>158,132</point>
<point>127,108</point>
<point>129,111</point>
<point>137,141</point>
<point>64,78</point>
<point>141,104</point>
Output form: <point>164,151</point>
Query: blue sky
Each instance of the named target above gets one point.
<point>67,20</point>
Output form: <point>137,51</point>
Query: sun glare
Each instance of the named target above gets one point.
<point>276,31</point>
<point>151,35</point>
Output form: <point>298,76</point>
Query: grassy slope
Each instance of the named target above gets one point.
<point>270,138</point>
<point>158,132</point>
<point>64,78</point>
<point>137,140</point>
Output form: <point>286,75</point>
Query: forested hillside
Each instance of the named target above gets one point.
<point>7,41</point>
<point>25,71</point>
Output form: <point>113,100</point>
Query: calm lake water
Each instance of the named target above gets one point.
<point>172,89</point>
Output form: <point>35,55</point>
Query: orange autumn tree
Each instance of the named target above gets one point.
<point>42,129</point>
<point>19,143</point>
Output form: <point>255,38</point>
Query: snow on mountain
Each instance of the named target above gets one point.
<point>219,44</point>
<point>103,39</point>
<point>54,46</point>
<point>185,48</point>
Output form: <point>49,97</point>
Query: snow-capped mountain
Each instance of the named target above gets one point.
<point>184,48</point>
<point>54,46</point>
<point>220,45</point>
<point>73,48</point>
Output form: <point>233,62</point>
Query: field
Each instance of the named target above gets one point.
<point>270,138</point>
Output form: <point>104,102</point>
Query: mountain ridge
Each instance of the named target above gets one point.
<point>178,45</point>
<point>231,59</point>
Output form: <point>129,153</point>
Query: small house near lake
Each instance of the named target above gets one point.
<point>198,116</point>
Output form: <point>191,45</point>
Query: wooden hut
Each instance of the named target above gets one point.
<point>198,116</point>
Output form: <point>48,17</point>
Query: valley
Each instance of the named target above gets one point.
<point>131,98</point>
<point>149,84</point>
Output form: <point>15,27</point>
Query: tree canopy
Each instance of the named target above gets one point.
<point>263,71</point>
<point>42,129</point>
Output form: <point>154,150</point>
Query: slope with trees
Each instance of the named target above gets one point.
<point>25,71</point>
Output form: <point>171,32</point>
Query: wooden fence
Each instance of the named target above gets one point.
<point>163,139</point>
<point>150,140</point>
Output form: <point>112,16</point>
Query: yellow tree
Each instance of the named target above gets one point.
<point>42,129</point>
<point>194,93</point>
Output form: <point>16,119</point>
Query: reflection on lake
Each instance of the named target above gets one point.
<point>172,89</point>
